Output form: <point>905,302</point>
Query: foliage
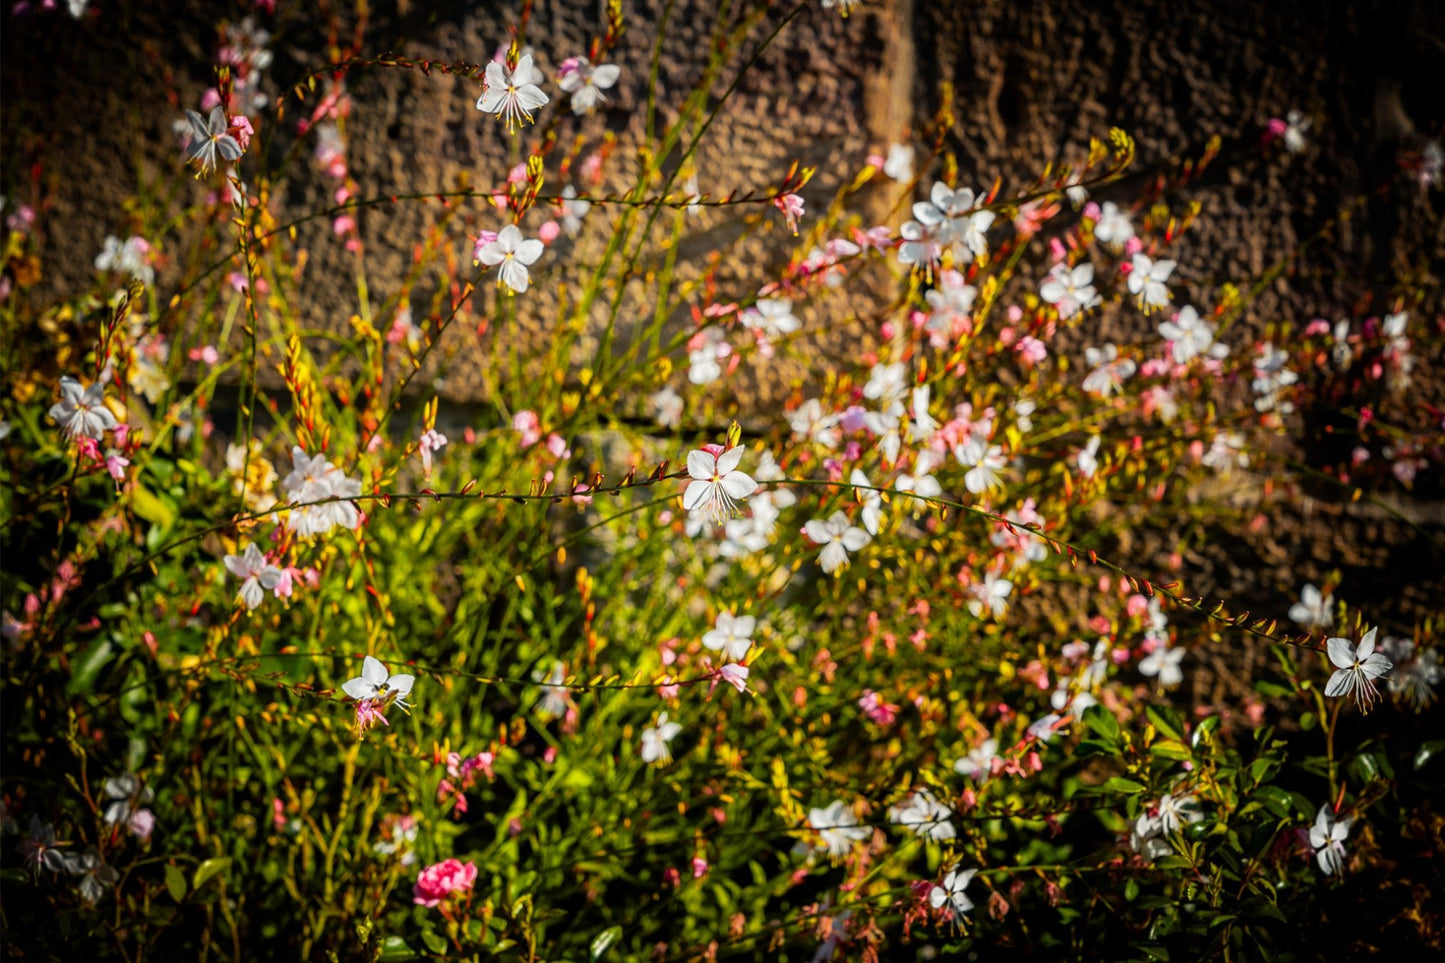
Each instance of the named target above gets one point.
<point>637,731</point>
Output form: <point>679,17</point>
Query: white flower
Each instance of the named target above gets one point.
<point>1175,812</point>
<point>257,575</point>
<point>554,694</point>
<point>922,485</point>
<point>1043,729</point>
<point>952,891</point>
<point>1416,673</point>
<point>809,421</point>
<point>1088,458</point>
<point>919,247</point>
<point>1164,662</point>
<point>1070,291</point>
<point>128,257</point>
<point>1147,281</point>
<point>951,302</point>
<point>1226,451</point>
<point>925,816</point>
<point>838,538</point>
<point>717,485</point>
<point>1296,126</point>
<point>1355,668</point>
<point>514,253</point>
<point>209,139</point>
<point>586,82</point>
<point>990,595</point>
<point>899,164</point>
<point>376,683</point>
<point>147,374</point>
<point>1114,227</point>
<point>978,764</point>
<point>1191,336</point>
<point>655,740</point>
<point>1109,370</point>
<point>733,634</point>
<point>1328,836</point>
<point>872,500</point>
<point>125,793</point>
<point>984,465</point>
<point>1271,377</point>
<point>573,209</point>
<point>667,407</point>
<point>1313,608</point>
<point>314,479</point>
<point>82,411</point>
<point>95,874</point>
<point>705,361</point>
<point>949,217</point>
<point>772,317</point>
<point>838,827</point>
<point>511,95</point>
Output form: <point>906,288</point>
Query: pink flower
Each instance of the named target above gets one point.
<point>883,713</point>
<point>1032,350</point>
<point>141,823</point>
<point>528,426</point>
<point>115,463</point>
<point>734,674</point>
<point>443,881</point>
<point>792,207</point>
<point>242,130</point>
<point>431,440</point>
<point>368,714</point>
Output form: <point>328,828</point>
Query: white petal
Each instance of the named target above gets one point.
<point>358,689</point>
<point>696,495</point>
<point>700,465</point>
<point>529,250</point>
<point>738,485</point>
<point>1342,653</point>
<point>373,671</point>
<point>401,684</point>
<point>530,97</point>
<point>515,276</point>
<point>1339,683</point>
<point>728,461</point>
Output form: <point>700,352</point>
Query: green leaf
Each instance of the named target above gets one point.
<point>602,941</point>
<point>1131,890</point>
<point>1428,751</point>
<point>1102,721</point>
<point>176,883</point>
<point>1121,785</point>
<point>89,666</point>
<point>1271,690</point>
<point>434,942</point>
<point>1167,721</point>
<point>209,870</point>
<point>395,948</point>
<point>150,507</point>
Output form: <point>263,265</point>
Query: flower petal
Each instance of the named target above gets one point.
<point>738,485</point>
<point>701,464</point>
<point>1342,652</point>
<point>696,494</point>
<point>373,671</point>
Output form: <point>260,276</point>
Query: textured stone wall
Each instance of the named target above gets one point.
<point>1033,82</point>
